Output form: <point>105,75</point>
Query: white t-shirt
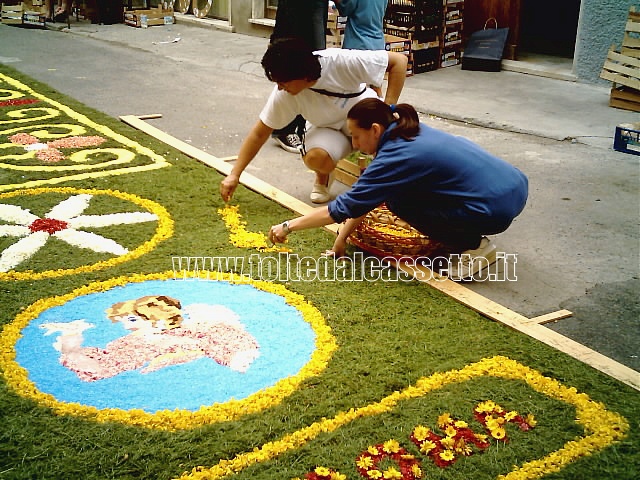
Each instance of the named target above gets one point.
<point>343,71</point>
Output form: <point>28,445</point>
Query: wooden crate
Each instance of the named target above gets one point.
<point>334,38</point>
<point>149,18</point>
<point>336,21</point>
<point>12,14</point>
<point>34,18</point>
<point>347,172</point>
<point>625,98</point>
<point>397,44</point>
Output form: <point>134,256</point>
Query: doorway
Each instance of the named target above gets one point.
<point>549,27</point>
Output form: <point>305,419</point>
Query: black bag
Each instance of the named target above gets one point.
<point>485,48</point>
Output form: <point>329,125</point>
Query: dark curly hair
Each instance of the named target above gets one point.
<point>289,59</point>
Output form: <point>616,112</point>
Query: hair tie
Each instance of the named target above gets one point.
<point>393,108</point>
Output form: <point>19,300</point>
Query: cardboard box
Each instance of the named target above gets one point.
<point>149,18</point>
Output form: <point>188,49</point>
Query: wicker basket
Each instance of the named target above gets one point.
<point>384,234</point>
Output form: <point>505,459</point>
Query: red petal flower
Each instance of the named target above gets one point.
<point>49,225</point>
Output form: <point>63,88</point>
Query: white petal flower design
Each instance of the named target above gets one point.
<point>64,221</point>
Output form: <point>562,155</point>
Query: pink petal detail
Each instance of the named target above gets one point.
<point>50,155</point>
<point>23,139</point>
<point>76,142</point>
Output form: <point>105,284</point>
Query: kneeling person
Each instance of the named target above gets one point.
<point>321,86</point>
<point>444,186</point>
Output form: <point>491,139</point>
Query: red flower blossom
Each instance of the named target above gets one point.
<point>49,225</point>
<point>17,102</point>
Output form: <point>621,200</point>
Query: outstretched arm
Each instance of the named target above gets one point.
<point>396,74</point>
<point>318,217</point>
<point>250,147</point>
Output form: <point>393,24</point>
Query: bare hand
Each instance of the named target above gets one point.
<point>339,248</point>
<point>228,187</point>
<point>277,234</point>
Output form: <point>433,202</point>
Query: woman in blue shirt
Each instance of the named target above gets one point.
<point>445,186</point>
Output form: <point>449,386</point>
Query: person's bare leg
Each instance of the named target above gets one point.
<point>320,162</point>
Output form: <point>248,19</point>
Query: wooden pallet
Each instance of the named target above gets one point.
<point>631,42</point>
<point>623,67</point>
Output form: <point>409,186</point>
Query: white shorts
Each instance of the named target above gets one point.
<point>335,142</point>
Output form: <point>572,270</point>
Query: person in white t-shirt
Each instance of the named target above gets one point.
<point>321,86</point>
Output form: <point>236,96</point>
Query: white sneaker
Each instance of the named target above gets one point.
<point>465,265</point>
<point>321,193</point>
<point>291,142</point>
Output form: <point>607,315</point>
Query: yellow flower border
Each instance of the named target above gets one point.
<point>157,160</point>
<point>163,232</point>
<point>17,377</point>
<point>239,236</point>
<point>602,428</point>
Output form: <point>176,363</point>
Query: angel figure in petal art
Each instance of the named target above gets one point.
<point>162,334</point>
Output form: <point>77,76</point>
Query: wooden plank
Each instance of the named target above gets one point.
<point>624,104</point>
<point>623,93</point>
<point>343,177</point>
<point>467,297</point>
<point>224,168</point>
<point>551,317</point>
<point>149,116</point>
<point>349,167</point>
<point>632,25</point>
<point>621,79</point>
<point>615,59</point>
<point>522,324</point>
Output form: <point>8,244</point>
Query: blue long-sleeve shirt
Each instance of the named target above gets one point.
<point>436,176</point>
